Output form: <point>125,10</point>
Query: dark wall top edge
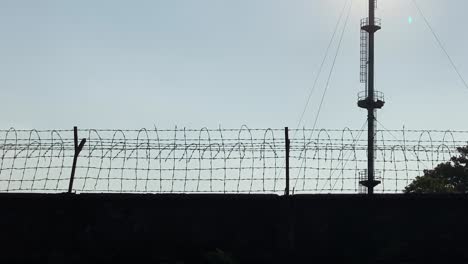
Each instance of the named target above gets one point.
<point>237,196</point>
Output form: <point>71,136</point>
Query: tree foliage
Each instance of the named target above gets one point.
<point>448,177</point>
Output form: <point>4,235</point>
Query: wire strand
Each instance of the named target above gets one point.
<point>439,42</point>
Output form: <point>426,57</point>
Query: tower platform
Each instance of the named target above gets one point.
<point>364,101</point>
<point>366,26</point>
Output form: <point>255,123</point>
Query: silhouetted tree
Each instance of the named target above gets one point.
<point>448,177</point>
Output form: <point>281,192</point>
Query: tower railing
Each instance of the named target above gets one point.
<point>365,22</point>
<point>378,96</point>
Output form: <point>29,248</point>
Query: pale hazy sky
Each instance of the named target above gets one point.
<point>196,63</point>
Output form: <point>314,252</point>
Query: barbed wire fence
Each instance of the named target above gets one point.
<point>244,160</point>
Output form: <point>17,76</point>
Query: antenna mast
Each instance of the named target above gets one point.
<point>369,99</point>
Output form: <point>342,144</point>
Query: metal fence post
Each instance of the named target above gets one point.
<point>287,142</point>
<point>78,149</point>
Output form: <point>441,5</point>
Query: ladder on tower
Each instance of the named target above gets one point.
<point>365,49</point>
<point>364,55</point>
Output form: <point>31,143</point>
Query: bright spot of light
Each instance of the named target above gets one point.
<point>410,20</point>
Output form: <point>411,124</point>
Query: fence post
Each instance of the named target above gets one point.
<point>78,149</point>
<point>287,142</point>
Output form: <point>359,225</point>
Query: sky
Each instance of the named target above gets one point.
<point>209,63</point>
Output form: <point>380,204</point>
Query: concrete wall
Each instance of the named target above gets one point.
<point>106,228</point>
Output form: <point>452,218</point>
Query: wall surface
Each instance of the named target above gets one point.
<point>106,228</point>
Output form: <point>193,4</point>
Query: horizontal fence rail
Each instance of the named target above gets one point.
<point>244,160</point>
